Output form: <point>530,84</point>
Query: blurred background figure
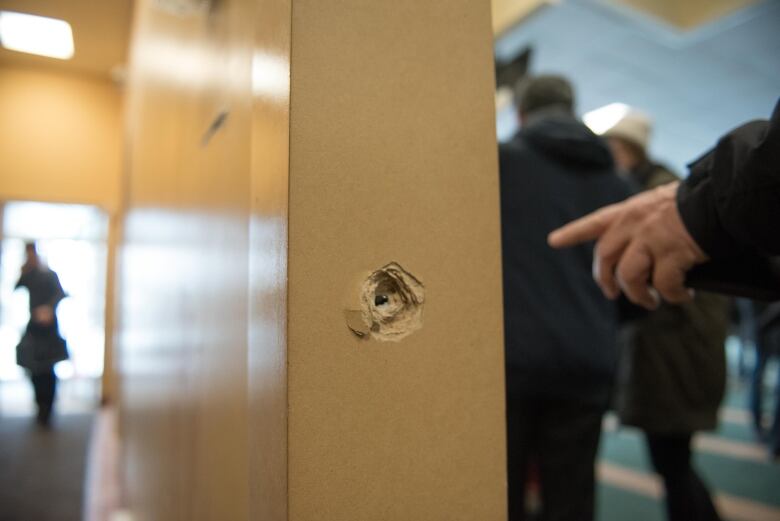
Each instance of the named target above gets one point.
<point>745,329</point>
<point>672,375</point>
<point>41,346</point>
<point>767,346</point>
<point>560,330</point>
<point>628,141</point>
<point>70,247</point>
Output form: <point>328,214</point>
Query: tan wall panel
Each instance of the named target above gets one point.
<point>185,265</point>
<point>393,158</point>
<point>268,261</point>
<point>244,393</point>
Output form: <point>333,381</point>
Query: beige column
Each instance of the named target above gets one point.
<point>310,315</point>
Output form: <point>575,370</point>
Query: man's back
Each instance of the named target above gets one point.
<point>560,330</point>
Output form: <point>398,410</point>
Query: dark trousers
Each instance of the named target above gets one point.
<point>562,439</point>
<point>687,498</point>
<point>45,385</point>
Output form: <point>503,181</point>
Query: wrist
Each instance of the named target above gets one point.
<point>698,213</point>
<point>698,254</point>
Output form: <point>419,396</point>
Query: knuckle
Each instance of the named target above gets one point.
<point>630,275</point>
<point>666,286</point>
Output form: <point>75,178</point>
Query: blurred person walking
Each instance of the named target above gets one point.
<point>673,368</point>
<point>560,331</point>
<point>41,346</point>
<point>767,346</point>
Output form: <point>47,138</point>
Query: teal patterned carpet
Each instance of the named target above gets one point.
<point>745,482</point>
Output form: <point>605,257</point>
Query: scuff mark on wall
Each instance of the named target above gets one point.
<point>355,322</point>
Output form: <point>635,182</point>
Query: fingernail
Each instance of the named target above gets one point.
<point>655,296</point>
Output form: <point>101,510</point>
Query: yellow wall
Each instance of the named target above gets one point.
<point>60,137</point>
<point>183,266</point>
<point>61,141</point>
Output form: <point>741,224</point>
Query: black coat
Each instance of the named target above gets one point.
<point>730,203</point>
<point>41,346</point>
<point>560,330</point>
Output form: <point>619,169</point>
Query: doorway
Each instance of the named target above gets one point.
<point>72,240</point>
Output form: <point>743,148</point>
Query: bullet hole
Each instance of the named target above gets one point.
<point>391,304</point>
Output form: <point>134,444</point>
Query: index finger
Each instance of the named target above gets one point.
<point>584,229</point>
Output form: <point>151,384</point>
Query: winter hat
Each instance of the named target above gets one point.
<point>635,127</point>
<point>548,91</point>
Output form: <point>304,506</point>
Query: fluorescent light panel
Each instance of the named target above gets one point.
<point>36,35</point>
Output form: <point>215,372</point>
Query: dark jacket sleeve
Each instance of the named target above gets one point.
<point>57,293</point>
<point>730,203</point>
<point>23,281</point>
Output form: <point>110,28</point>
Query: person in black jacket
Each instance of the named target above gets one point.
<point>729,206</point>
<point>560,331</point>
<point>41,346</point>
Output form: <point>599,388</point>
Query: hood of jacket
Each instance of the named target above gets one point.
<point>566,140</point>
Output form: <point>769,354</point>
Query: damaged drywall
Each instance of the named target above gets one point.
<point>391,305</point>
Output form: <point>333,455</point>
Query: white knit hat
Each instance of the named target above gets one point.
<point>635,126</point>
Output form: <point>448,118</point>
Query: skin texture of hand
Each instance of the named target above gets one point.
<point>642,247</point>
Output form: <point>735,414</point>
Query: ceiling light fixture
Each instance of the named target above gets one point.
<point>604,118</point>
<point>36,35</point>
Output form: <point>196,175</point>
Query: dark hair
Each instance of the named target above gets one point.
<point>544,92</point>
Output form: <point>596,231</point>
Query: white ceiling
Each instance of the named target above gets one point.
<point>696,85</point>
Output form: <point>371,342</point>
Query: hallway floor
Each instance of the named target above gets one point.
<point>745,482</point>
<point>42,471</point>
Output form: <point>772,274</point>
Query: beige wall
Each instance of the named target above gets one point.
<point>60,137</point>
<point>184,266</point>
<point>60,141</point>
<point>393,158</point>
<point>244,393</point>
